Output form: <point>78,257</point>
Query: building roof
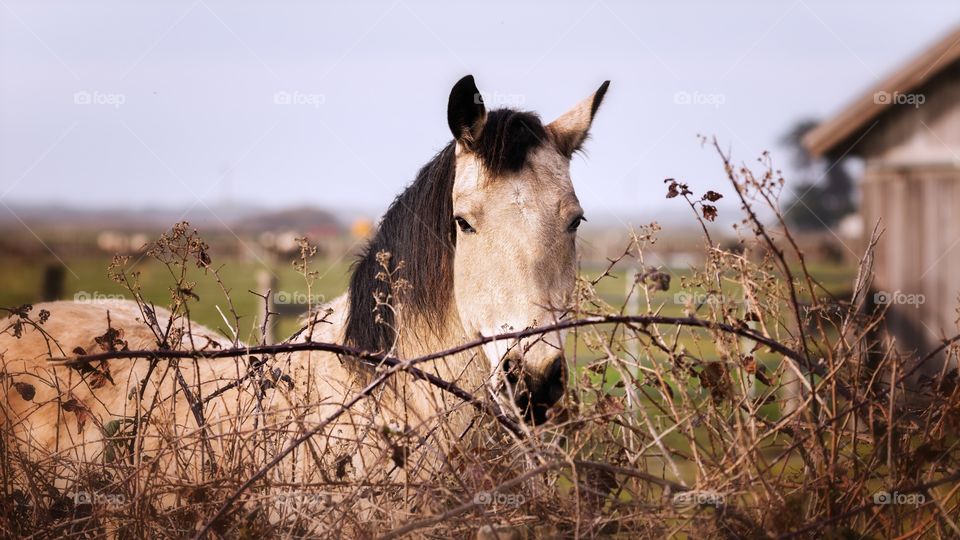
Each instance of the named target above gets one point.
<point>861,112</point>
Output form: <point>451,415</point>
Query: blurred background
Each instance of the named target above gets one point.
<point>260,122</point>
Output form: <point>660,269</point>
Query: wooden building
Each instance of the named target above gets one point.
<point>907,131</point>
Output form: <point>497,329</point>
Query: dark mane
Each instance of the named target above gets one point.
<point>418,229</point>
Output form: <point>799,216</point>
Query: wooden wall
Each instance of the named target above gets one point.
<point>919,254</point>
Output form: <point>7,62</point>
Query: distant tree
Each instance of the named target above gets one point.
<point>823,192</point>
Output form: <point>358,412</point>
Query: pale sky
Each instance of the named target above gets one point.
<point>183,96</point>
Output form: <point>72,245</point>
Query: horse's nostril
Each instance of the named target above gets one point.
<point>555,371</point>
<point>554,382</point>
<point>544,391</point>
<point>511,368</point>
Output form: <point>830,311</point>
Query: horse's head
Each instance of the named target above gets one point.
<point>515,218</point>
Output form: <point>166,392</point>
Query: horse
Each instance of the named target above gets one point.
<point>482,242</point>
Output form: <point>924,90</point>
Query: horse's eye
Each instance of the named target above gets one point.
<point>575,224</point>
<point>464,226</point>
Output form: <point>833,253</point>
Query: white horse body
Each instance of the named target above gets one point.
<point>318,383</point>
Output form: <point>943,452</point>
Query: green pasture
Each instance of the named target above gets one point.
<point>87,278</point>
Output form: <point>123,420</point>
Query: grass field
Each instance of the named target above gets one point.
<point>87,279</point>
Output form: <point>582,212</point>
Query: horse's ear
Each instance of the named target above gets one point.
<point>466,114</point>
<point>570,130</point>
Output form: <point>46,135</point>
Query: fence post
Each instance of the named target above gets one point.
<point>52,286</point>
<point>633,305</point>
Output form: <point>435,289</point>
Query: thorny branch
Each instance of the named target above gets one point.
<point>672,423</point>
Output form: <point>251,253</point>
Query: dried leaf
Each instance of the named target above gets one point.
<point>70,405</point>
<point>82,416</point>
<point>712,196</point>
<point>79,409</point>
<point>95,377</point>
<point>342,463</point>
<point>112,340</point>
<point>399,455</point>
<point>659,281</point>
<point>714,378</point>
<point>26,390</point>
<point>188,291</point>
<point>676,188</point>
<point>709,212</point>
<point>99,377</point>
<point>203,258</point>
<point>22,311</point>
<point>610,405</point>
